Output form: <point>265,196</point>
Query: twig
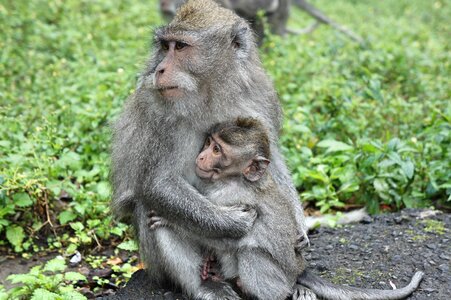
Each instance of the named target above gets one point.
<point>47,213</point>
<point>306,30</point>
<point>321,17</point>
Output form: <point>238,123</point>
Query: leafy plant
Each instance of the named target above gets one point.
<point>48,282</point>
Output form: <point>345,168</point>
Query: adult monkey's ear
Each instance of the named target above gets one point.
<point>242,39</point>
<point>256,168</point>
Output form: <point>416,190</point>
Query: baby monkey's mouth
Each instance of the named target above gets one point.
<point>206,174</point>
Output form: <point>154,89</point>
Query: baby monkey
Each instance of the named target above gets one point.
<point>232,165</point>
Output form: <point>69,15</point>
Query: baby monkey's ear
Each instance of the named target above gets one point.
<point>256,168</point>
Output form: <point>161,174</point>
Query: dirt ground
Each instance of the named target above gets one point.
<point>380,251</point>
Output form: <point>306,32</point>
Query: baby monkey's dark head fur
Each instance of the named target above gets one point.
<point>235,148</point>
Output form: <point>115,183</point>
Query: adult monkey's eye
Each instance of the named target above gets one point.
<point>164,45</point>
<point>216,150</point>
<point>180,45</point>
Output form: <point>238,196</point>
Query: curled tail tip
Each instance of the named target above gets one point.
<point>418,276</point>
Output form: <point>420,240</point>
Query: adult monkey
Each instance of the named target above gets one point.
<point>205,69</point>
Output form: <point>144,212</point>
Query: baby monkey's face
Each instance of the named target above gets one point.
<point>219,160</point>
<point>216,160</point>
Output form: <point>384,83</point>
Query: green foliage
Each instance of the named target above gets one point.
<point>65,70</point>
<point>368,123</point>
<point>48,282</point>
<point>130,245</point>
<point>363,124</point>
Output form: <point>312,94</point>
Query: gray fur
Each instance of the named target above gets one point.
<point>265,259</point>
<point>156,141</point>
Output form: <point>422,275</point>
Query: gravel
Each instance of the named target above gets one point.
<point>379,252</point>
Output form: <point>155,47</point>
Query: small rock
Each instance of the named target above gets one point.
<point>75,259</point>
<point>329,247</point>
<point>367,220</point>
<point>431,246</point>
<point>443,268</point>
<point>443,256</point>
<point>397,258</point>
<point>83,271</point>
<point>354,247</point>
<point>401,219</point>
<point>102,273</point>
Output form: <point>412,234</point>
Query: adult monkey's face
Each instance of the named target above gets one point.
<point>197,50</point>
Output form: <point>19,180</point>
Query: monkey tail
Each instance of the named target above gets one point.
<point>330,291</point>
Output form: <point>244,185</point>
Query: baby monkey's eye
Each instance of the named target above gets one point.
<point>207,142</point>
<point>180,45</point>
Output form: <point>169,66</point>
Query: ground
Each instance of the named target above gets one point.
<point>385,249</point>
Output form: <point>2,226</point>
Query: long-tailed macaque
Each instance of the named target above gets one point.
<point>204,69</point>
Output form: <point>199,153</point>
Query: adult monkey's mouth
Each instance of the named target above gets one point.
<point>167,88</point>
<point>169,91</point>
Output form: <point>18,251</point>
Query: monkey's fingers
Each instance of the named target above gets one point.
<point>157,222</point>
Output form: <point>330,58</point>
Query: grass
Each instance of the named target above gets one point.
<point>364,124</point>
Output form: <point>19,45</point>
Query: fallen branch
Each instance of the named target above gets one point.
<point>307,30</point>
<point>322,18</point>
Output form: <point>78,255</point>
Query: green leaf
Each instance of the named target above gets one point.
<point>334,146</point>
<point>73,295</point>
<point>103,189</point>
<point>380,185</point>
<point>56,264</point>
<point>74,276</point>
<point>129,245</point>
<point>27,279</point>
<point>22,200</point>
<point>348,187</point>
<point>42,294</point>
<point>408,168</point>
<point>66,216</point>
<point>77,226</point>
<point>15,235</point>
<point>70,160</point>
